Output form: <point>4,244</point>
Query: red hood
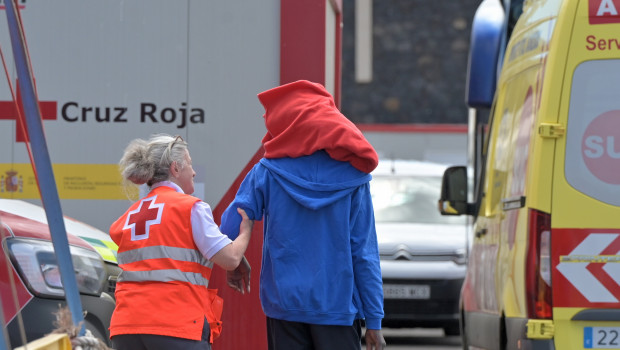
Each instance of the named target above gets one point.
<point>302,118</point>
<point>27,228</point>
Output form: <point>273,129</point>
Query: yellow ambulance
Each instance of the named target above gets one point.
<point>544,264</point>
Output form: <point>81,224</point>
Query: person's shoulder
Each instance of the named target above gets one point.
<point>186,198</point>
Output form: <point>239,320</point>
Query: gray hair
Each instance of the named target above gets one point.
<point>148,161</point>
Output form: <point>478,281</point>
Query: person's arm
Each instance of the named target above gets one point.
<point>211,242</point>
<point>366,266</point>
<point>250,197</point>
<point>231,255</point>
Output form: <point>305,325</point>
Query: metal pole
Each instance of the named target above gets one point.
<point>43,166</point>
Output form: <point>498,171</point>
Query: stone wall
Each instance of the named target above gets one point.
<point>420,50</point>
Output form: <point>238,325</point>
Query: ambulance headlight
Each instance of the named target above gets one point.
<point>36,263</point>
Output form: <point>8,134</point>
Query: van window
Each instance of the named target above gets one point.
<point>407,199</point>
<point>592,159</point>
<point>507,168</point>
<point>501,125</point>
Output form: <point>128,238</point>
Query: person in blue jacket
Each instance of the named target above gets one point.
<point>320,274</point>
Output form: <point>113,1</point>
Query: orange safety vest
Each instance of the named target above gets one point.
<point>163,286</point>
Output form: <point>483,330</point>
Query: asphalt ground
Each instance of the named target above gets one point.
<point>419,338</point>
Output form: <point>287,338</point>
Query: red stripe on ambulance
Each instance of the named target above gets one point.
<point>586,267</point>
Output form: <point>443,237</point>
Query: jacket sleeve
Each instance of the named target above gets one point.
<point>249,197</point>
<point>365,252</point>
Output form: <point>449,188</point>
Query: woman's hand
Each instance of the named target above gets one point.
<point>240,277</point>
<point>246,224</point>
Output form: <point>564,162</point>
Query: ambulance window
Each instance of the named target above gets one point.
<point>508,155</point>
<point>592,159</point>
<point>502,158</point>
<point>500,125</point>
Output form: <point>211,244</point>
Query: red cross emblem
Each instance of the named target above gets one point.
<point>140,220</point>
<point>7,112</point>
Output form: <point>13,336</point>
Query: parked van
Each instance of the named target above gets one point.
<point>544,268</point>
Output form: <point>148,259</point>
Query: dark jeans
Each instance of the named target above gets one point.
<point>161,342</point>
<point>286,335</point>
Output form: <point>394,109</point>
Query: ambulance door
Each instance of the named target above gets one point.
<point>586,211</point>
<point>513,213</point>
<point>585,218</point>
<point>479,291</point>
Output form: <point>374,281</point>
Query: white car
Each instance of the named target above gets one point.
<point>423,254</point>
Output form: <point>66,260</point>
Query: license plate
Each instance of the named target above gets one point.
<point>601,337</point>
<point>406,291</point>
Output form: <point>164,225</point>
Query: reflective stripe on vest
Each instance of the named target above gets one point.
<point>163,276</point>
<point>167,275</point>
<point>163,252</point>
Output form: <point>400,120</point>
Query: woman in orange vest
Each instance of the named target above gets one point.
<point>167,244</point>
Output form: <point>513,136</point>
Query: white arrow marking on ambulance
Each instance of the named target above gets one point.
<point>578,274</point>
<point>613,270</point>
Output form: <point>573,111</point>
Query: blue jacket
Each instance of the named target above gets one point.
<point>320,256</point>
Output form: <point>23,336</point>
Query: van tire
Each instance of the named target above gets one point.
<point>464,342</point>
<point>503,337</point>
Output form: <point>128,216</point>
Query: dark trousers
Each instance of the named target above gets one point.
<point>286,335</point>
<point>161,342</point>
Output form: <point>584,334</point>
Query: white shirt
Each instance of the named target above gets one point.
<point>207,235</point>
